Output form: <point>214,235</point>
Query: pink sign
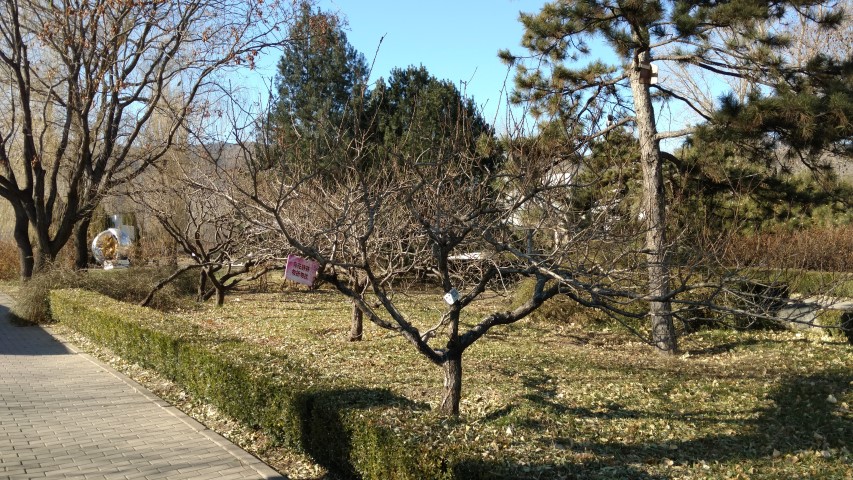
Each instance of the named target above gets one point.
<point>301,270</point>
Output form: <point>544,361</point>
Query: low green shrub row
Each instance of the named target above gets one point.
<point>129,285</point>
<point>225,372</point>
<point>354,431</point>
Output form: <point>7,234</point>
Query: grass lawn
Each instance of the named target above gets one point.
<point>546,400</point>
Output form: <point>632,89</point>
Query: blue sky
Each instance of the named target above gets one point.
<point>455,40</point>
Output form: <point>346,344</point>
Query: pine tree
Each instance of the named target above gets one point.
<point>419,117</point>
<point>722,38</point>
<point>320,82</point>
<point>809,112</point>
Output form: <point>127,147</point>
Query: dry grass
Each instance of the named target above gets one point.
<point>825,249</point>
<point>9,260</point>
<point>544,400</point>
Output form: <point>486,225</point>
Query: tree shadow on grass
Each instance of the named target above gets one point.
<point>722,348</point>
<point>801,416</point>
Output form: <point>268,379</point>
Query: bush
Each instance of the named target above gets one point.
<point>9,260</point>
<point>32,303</point>
<point>133,284</point>
<point>227,373</point>
<point>846,324</point>
<point>753,296</point>
<point>825,249</point>
<point>560,308</point>
<point>129,285</point>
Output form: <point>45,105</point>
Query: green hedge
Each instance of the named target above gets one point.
<point>341,426</point>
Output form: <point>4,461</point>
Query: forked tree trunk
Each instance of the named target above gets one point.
<point>42,259</point>
<point>654,211</point>
<point>452,384</point>
<point>217,289</point>
<point>220,294</point>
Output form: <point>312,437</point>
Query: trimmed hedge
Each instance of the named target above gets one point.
<point>223,371</point>
<point>341,426</point>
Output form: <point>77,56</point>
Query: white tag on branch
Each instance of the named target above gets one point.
<point>451,297</point>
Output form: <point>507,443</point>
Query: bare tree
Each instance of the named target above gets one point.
<point>470,227</point>
<point>207,229</point>
<point>82,81</point>
<point>450,217</point>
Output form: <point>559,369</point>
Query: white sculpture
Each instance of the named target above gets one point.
<point>111,248</point>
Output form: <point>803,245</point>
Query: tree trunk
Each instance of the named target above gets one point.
<point>202,285</point>
<point>452,384</point>
<point>81,244</point>
<point>25,246</point>
<point>654,211</point>
<point>357,323</point>
<point>40,261</point>
<point>220,294</point>
<point>357,319</point>
<point>218,288</point>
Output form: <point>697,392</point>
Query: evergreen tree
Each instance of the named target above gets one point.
<point>320,82</point>
<point>419,118</point>
<point>722,38</point>
<point>809,112</point>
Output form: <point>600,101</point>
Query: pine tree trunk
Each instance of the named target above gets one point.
<point>81,244</point>
<point>452,384</point>
<point>654,211</point>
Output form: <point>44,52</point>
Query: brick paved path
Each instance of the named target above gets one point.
<point>65,415</point>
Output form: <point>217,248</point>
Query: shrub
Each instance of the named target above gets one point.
<point>133,284</point>
<point>826,249</point>
<point>129,285</point>
<point>32,303</point>
<point>753,296</point>
<point>560,309</point>
<point>9,260</point>
<point>227,373</point>
<point>845,324</point>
